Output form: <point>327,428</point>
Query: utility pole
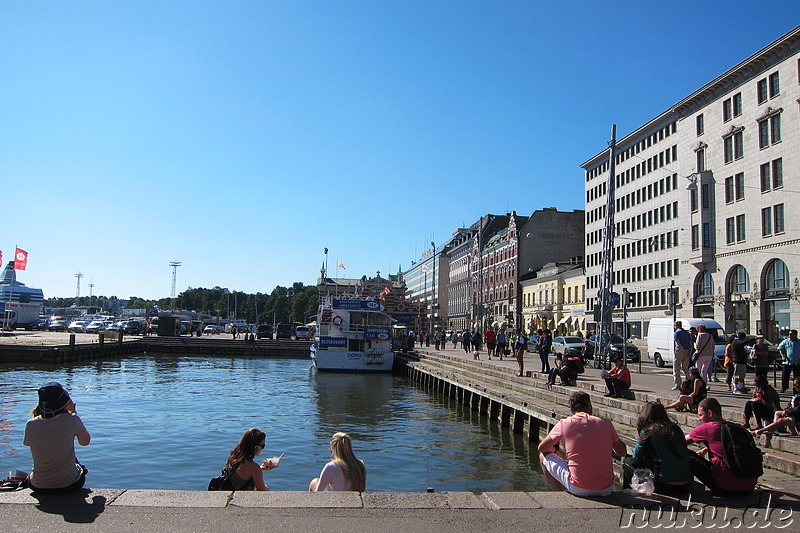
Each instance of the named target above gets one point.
<point>607,273</point>
<point>78,290</point>
<point>433,296</point>
<point>174,265</point>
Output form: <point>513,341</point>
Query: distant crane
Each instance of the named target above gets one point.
<point>174,265</point>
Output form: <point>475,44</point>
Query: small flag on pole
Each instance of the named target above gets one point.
<point>340,265</point>
<point>20,259</point>
<point>1,258</point>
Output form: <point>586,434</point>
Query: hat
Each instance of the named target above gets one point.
<point>52,397</point>
<point>759,336</point>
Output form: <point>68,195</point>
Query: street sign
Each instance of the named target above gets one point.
<point>613,299</point>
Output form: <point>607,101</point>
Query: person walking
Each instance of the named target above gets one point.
<point>704,350</point>
<point>790,358</point>
<point>683,350</point>
<point>543,344</point>
<point>502,343</point>
<point>466,340</point>
<point>761,357</point>
<point>520,347</point>
<point>739,356</point>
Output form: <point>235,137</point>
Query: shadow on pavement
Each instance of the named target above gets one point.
<point>76,508</point>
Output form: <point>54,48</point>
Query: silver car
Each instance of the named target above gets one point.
<point>568,346</point>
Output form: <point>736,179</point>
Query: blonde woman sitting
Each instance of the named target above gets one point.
<point>345,471</point>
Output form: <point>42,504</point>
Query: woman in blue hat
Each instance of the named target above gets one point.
<point>51,435</point>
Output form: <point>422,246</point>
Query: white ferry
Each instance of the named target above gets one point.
<point>20,306</point>
<point>353,335</point>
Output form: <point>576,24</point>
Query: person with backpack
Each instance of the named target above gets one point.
<point>734,462</point>
<point>520,347</point>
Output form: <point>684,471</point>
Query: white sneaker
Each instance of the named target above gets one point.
<point>737,391</point>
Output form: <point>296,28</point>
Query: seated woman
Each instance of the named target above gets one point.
<point>763,405</point>
<point>662,449</point>
<point>693,391</point>
<point>241,472</point>
<point>345,471</point>
<point>618,379</point>
<point>51,436</point>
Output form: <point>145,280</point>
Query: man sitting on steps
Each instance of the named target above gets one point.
<point>588,469</point>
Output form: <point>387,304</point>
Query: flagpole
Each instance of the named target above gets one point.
<point>11,294</point>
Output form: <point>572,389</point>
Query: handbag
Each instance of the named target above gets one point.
<point>222,482</point>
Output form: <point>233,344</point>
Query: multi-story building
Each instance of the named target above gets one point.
<point>426,284</point>
<point>458,253</point>
<point>701,199</point>
<point>551,298</point>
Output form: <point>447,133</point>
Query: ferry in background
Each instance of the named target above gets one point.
<point>353,335</point>
<point>20,306</point>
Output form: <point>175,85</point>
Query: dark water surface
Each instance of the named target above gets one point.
<point>170,422</point>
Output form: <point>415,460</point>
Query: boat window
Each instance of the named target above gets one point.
<point>355,345</point>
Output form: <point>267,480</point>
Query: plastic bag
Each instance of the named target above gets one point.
<point>643,481</point>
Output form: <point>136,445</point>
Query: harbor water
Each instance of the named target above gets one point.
<point>170,422</point>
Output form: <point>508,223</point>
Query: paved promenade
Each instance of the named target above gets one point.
<point>123,510</point>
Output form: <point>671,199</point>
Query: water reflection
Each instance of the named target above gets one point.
<point>170,422</point>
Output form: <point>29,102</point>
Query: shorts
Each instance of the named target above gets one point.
<point>558,468</point>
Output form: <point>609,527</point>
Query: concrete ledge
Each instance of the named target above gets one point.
<point>565,500</point>
<point>405,500</point>
<point>297,499</point>
<point>511,500</point>
<point>172,498</point>
<point>87,496</point>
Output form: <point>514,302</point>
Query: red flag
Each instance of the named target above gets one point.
<point>20,259</point>
<point>1,257</point>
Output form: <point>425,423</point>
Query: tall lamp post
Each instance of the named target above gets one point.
<point>433,292</point>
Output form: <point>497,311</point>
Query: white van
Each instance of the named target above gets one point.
<point>660,335</point>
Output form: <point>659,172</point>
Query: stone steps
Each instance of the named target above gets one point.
<point>531,392</point>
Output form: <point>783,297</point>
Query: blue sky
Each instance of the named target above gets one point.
<point>243,137</point>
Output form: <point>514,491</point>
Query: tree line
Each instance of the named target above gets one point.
<point>297,303</point>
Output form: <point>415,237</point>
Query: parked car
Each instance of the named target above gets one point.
<point>264,331</point>
<point>284,331</point>
<point>772,349</point>
<point>615,344</point>
<point>57,325</point>
<point>211,329</point>
<point>96,326</point>
<point>78,326</point>
<point>568,346</point>
<point>133,327</point>
<point>301,333</point>
<point>42,323</point>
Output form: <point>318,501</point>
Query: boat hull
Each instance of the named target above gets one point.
<point>340,361</point>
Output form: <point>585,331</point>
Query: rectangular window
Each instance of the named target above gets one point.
<point>728,149</point>
<point>705,196</point>
<point>774,85</point>
<point>738,145</point>
<point>737,104</point>
<point>701,160</point>
<point>727,110</point>
<point>693,200</point>
<point>761,89</point>
<point>739,180</point>
<point>695,237</point>
<point>778,211</point>
<point>730,231</point>
<point>740,229</point>
<point>766,181</point>
<point>700,125</point>
<point>777,173</point>
<point>769,131</point>
<point>729,190</point>
<point>706,235</point>
<point>766,221</point>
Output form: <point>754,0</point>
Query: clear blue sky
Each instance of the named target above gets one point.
<point>243,137</point>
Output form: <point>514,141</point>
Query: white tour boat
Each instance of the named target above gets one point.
<point>353,335</point>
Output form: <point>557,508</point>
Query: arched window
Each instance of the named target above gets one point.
<point>739,280</point>
<point>777,276</point>
<point>705,284</point>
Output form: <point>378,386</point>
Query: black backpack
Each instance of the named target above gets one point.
<point>741,454</point>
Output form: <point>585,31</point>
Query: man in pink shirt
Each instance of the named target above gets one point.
<point>589,441</point>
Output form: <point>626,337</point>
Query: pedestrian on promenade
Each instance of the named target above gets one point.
<point>790,358</point>
<point>739,349</point>
<point>704,351</point>
<point>466,340</point>
<point>344,472</point>
<point>490,338</point>
<point>51,435</point>
<point>543,344</point>
<point>502,343</point>
<point>760,355</point>
<point>520,347</point>
<point>437,339</point>
<point>476,344</point>
<point>587,469</point>
<point>683,348</point>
